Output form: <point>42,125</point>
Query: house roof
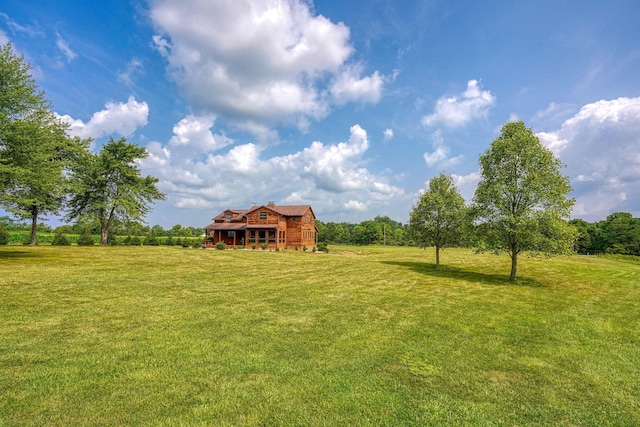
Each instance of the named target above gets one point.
<point>226,226</point>
<point>286,210</point>
<point>237,214</point>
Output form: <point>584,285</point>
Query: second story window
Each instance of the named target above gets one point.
<point>263,216</point>
<point>228,217</point>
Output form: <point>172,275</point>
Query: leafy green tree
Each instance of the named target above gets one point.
<point>19,94</point>
<point>108,187</point>
<point>35,151</point>
<point>521,201</point>
<point>438,219</point>
<point>621,234</point>
<point>588,236</point>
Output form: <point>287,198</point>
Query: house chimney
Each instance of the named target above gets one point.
<point>271,204</point>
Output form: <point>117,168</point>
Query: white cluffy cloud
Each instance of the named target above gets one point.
<point>387,135</point>
<point>256,64</point>
<point>601,148</point>
<point>121,118</point>
<point>440,156</point>
<point>330,177</point>
<point>457,111</point>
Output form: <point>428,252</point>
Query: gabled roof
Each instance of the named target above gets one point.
<point>237,214</point>
<point>286,210</point>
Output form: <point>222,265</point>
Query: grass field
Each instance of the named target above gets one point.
<point>358,336</point>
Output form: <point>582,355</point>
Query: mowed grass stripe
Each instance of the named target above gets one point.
<point>377,336</point>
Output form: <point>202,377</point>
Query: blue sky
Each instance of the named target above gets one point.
<point>350,107</point>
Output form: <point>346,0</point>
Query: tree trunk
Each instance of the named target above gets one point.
<point>437,256</point>
<point>514,266</point>
<point>34,225</point>
<point>104,236</point>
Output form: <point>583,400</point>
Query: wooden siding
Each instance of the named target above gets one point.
<point>293,227</point>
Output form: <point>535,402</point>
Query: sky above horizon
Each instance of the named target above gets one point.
<point>350,107</point>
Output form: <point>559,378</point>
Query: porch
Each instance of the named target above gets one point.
<point>234,235</point>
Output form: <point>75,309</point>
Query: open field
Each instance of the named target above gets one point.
<point>358,336</point>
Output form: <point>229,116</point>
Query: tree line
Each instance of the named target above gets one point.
<point>382,230</point>
<point>619,234</point>
<point>44,171</point>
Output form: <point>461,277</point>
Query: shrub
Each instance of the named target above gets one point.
<point>239,247</point>
<point>135,241</point>
<point>197,243</point>
<point>313,249</point>
<point>126,241</point>
<point>86,239</point>
<point>253,246</point>
<point>60,239</point>
<point>151,240</point>
<point>221,246</point>
<point>323,247</point>
<point>264,246</point>
<point>169,241</point>
<point>304,248</point>
<point>178,242</point>
<point>185,243</point>
<point>27,239</point>
<point>4,235</point>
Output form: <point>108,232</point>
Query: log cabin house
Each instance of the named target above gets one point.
<point>278,227</point>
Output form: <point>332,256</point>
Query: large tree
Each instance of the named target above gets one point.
<point>35,151</point>
<point>108,187</point>
<point>439,216</point>
<point>521,201</point>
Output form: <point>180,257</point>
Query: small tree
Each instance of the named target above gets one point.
<point>59,239</point>
<point>438,219</point>
<point>521,201</point>
<point>85,238</point>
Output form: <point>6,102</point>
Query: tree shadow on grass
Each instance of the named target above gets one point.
<point>17,254</point>
<point>449,272</point>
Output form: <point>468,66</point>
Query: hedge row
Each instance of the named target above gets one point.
<point>20,237</point>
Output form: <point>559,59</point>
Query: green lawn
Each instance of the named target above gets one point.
<point>358,336</point>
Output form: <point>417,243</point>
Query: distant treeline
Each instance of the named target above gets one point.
<point>618,234</point>
<point>120,229</point>
<point>379,231</point>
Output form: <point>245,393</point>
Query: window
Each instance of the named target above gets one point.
<point>272,236</point>
<point>263,215</point>
<point>231,233</point>
<point>228,217</point>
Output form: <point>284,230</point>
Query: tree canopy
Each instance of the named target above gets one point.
<point>108,187</point>
<point>521,201</point>
<point>439,216</point>
<point>35,151</point>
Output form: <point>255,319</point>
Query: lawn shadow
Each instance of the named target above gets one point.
<point>17,254</point>
<point>450,272</point>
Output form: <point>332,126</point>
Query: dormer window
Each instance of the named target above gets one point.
<point>228,217</point>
